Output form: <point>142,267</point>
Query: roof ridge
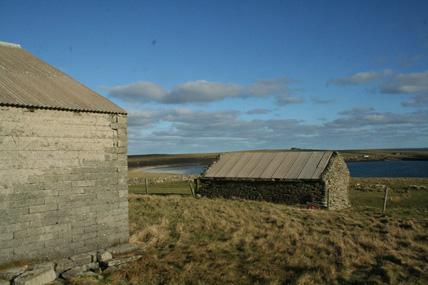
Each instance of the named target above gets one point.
<point>10,45</point>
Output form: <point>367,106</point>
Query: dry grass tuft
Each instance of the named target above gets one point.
<point>206,241</point>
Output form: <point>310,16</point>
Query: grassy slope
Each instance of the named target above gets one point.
<point>206,241</point>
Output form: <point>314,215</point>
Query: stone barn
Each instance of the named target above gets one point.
<point>314,178</point>
<point>63,163</point>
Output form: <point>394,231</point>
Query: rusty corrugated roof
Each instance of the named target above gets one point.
<point>28,81</point>
<point>270,165</point>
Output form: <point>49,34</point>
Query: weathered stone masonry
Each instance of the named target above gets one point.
<point>63,188</point>
<point>329,191</point>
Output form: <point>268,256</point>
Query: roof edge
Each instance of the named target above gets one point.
<point>60,109</point>
<point>10,45</point>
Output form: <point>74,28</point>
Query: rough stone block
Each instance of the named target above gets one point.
<point>36,277</point>
<point>103,256</point>
<point>72,272</point>
<point>120,261</point>
<point>81,259</point>
<point>63,265</point>
<point>123,248</point>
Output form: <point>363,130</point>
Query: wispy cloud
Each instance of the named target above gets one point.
<point>259,111</point>
<point>420,100</point>
<point>368,117</point>
<point>356,111</point>
<point>361,78</point>
<point>319,101</point>
<point>202,91</point>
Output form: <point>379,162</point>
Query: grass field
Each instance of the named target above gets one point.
<point>216,241</point>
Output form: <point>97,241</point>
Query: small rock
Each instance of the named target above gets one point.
<point>103,256</point>
<point>94,255</point>
<point>90,266</point>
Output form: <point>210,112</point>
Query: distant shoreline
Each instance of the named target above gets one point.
<point>177,160</point>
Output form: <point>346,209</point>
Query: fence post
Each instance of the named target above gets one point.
<point>191,189</point>
<point>197,185</point>
<point>147,188</point>
<point>384,200</point>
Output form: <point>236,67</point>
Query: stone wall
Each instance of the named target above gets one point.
<point>287,192</point>
<point>331,191</point>
<point>63,182</point>
<point>171,178</point>
<point>336,179</point>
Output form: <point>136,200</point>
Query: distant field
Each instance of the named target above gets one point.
<point>217,241</point>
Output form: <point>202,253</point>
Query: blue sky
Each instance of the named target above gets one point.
<point>212,76</point>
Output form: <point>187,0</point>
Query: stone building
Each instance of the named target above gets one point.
<point>315,178</point>
<point>63,163</point>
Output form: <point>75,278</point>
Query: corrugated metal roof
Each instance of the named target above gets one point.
<point>270,165</point>
<point>28,81</point>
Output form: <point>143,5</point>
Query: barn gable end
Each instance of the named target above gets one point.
<point>63,165</point>
<point>312,177</point>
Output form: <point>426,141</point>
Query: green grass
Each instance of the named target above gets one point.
<point>402,202</point>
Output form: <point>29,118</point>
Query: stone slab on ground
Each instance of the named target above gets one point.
<point>36,277</point>
<point>72,272</point>
<point>119,261</point>
<point>9,274</point>
<point>123,248</point>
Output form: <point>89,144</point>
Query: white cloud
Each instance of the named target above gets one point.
<point>138,92</point>
<point>188,130</point>
<point>202,91</point>
<point>361,78</point>
<point>406,83</point>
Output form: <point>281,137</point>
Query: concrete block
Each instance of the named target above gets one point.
<point>43,208</point>
<point>28,232</point>
<point>36,277</point>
